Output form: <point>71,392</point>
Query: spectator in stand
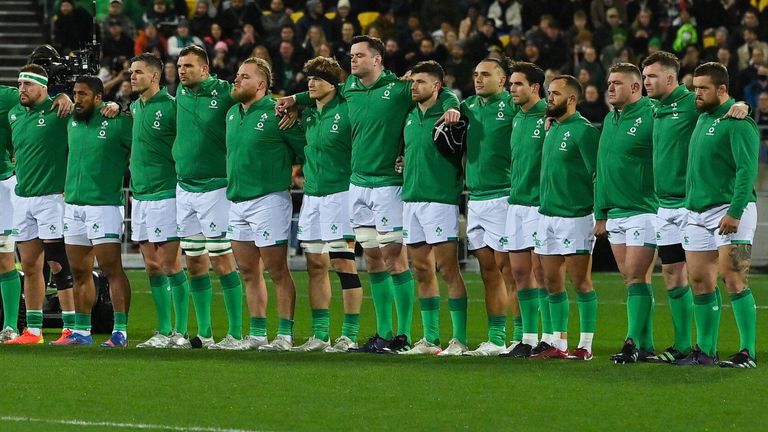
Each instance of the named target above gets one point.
<point>343,15</point>
<point>690,61</point>
<point>532,52</point>
<point>756,87</point>
<point>751,21</point>
<point>469,26</point>
<point>237,15</point>
<point>412,48</point>
<point>260,51</point>
<point>515,48</point>
<point>287,71</point>
<point>725,57</point>
<point>314,15</point>
<point>761,118</point>
<point>222,64</point>
<point>611,51</point>
<point>248,40</point>
<point>386,25</point>
<point>554,49</point>
<point>435,12</point>
<point>150,39</point>
<point>287,34</point>
<point>71,27</point>
<point>749,74</point>
<point>315,37</point>
<point>600,11</point>
<point>324,50</point>
<point>584,77</point>
<point>394,59</point>
<point>116,13</point>
<point>750,44</point>
<point>580,24</point>
<point>170,79</point>
<point>123,96</point>
<point>429,51</point>
<point>273,22</point>
<point>685,33</point>
<point>507,14</point>
<point>641,31</point>
<point>592,107</point>
<point>217,35</point>
<point>478,46</point>
<point>200,24</point>
<point>117,43</point>
<point>606,30</point>
<point>163,17</point>
<point>591,63</point>
<point>182,39</point>
<point>343,47</point>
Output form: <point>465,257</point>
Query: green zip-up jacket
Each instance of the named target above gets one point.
<point>327,164</point>
<point>624,185</point>
<point>722,162</point>
<point>377,114</point>
<point>428,176</point>
<point>527,140</point>
<point>200,150</point>
<point>260,156</point>
<point>40,148</point>
<point>9,98</point>
<point>99,150</point>
<point>488,150</point>
<point>568,168</point>
<point>153,172</point>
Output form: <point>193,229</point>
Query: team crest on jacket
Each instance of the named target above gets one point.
<point>711,130</point>
<point>214,103</point>
<point>564,142</point>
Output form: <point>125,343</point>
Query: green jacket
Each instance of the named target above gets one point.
<point>527,141</point>
<point>327,164</point>
<point>9,98</point>
<point>153,172</point>
<point>722,162</point>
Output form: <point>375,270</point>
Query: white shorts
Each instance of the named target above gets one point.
<point>91,225</point>
<point>380,207</point>
<point>325,218</point>
<point>430,222</point>
<point>565,236</point>
<point>700,229</point>
<point>38,217</point>
<point>7,197</point>
<point>522,223</point>
<point>486,224</point>
<point>265,221</point>
<point>638,230</point>
<point>153,221</point>
<point>669,226</point>
<point>205,213</point>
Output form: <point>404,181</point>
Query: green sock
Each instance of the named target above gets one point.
<point>517,329</point>
<point>285,327</point>
<point>529,310</point>
<point>258,326</point>
<point>681,308</point>
<point>559,310</point>
<point>646,337</point>
<point>321,323</point>
<point>83,322</point>
<point>180,290</point>
<point>744,311</point>
<point>68,319</point>
<point>161,294</point>
<point>202,297</point>
<point>350,326</point>
<point>587,304</point>
<point>707,319</point>
<point>430,318</point>
<point>121,322</point>
<point>719,302</point>
<point>382,291</point>
<point>458,307</point>
<point>34,319</point>
<point>497,332</point>
<point>639,298</point>
<point>10,287</point>
<point>405,294</point>
<point>233,300</point>
<point>546,313</point>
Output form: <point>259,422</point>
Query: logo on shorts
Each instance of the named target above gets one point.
<point>536,241</point>
<point>567,243</point>
<point>334,228</point>
<point>266,235</point>
<point>658,235</point>
<point>439,231</point>
<point>686,240</point>
<point>52,228</point>
<point>384,220</point>
<point>636,234</point>
<point>503,241</point>
<point>66,227</point>
<point>230,229</point>
<point>212,226</point>
<point>95,227</point>
<point>158,231</point>
<point>300,229</point>
<point>405,234</point>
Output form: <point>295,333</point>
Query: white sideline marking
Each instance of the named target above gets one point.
<point>119,425</point>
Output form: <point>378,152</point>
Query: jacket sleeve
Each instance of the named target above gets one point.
<point>296,140</point>
<point>745,147</point>
<point>448,99</point>
<point>588,145</point>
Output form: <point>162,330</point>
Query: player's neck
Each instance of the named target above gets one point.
<point>323,101</point>
<point>429,103</point>
<point>247,104</point>
<point>530,104</point>
<point>568,113</point>
<point>149,93</point>
<point>486,98</point>
<point>372,77</point>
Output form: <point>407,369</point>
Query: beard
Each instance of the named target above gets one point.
<point>83,115</point>
<point>242,95</point>
<point>421,98</point>
<point>704,106</point>
<point>557,111</point>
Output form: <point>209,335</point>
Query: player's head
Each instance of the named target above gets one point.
<point>525,82</point>
<point>427,78</point>
<point>564,93</point>
<point>660,71</point>
<point>323,74</point>
<point>192,65</point>
<point>710,81</point>
<point>624,85</point>
<point>367,56</point>
<point>33,85</point>
<point>146,71</point>
<point>87,94</point>
<point>253,80</point>
<point>489,77</point>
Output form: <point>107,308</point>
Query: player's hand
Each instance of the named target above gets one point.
<point>739,110</point>
<point>400,164</point>
<point>283,104</point>
<point>452,116</point>
<point>728,225</point>
<point>548,123</point>
<point>64,104</point>
<point>110,110</point>
<point>600,230</point>
<point>406,77</point>
<point>288,119</point>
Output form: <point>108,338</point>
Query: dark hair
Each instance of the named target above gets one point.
<point>36,69</point>
<point>92,82</point>
<point>150,60</point>
<point>533,73</point>
<point>374,43</point>
<point>327,65</point>
<point>665,59</point>
<point>429,67</point>
<point>627,69</point>
<point>502,64</point>
<point>196,51</point>
<point>715,71</point>
<point>572,84</point>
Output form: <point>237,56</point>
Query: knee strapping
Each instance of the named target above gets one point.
<point>389,238</point>
<point>349,280</point>
<point>342,255</point>
<point>339,246</point>
<point>218,247</point>
<point>367,237</point>
<point>194,245</point>
<point>672,254</point>
<point>56,252</point>
<point>7,244</point>
<point>313,247</point>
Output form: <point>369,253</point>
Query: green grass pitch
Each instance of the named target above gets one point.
<point>63,389</point>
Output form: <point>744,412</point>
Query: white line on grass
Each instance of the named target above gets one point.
<point>119,425</point>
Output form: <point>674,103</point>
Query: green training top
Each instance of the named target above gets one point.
<point>624,185</point>
<point>722,162</point>
<point>488,149</point>
<point>259,155</point>
<point>99,150</point>
<point>329,148</point>
<point>568,168</point>
<point>428,176</point>
<point>527,140</point>
<point>377,114</point>
<point>40,148</point>
<point>153,173</point>
<point>200,150</point>
<point>9,97</point>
